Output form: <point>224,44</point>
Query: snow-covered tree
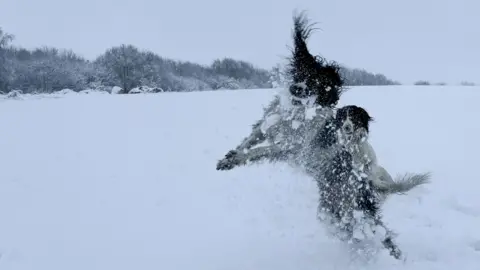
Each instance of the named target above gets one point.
<point>124,66</point>
<point>239,70</point>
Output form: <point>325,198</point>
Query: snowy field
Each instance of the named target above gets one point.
<point>113,182</point>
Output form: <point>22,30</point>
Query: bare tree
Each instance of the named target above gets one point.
<point>5,69</point>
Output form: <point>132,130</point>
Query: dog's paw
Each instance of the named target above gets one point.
<point>224,165</point>
<point>231,160</point>
<point>231,154</point>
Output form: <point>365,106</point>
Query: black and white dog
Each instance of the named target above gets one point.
<point>315,88</point>
<point>330,144</point>
<point>290,120</point>
<point>352,186</point>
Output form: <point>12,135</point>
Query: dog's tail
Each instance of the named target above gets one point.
<point>312,75</point>
<point>407,182</point>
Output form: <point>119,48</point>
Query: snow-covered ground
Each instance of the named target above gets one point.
<point>129,182</point>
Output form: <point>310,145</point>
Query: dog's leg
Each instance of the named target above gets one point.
<point>244,152</point>
<point>234,157</point>
<point>388,242</point>
<point>270,153</point>
<point>256,137</point>
<point>392,248</point>
<point>370,206</point>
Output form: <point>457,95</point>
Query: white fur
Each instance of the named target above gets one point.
<point>378,175</point>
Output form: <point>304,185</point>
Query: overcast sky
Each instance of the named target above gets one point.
<point>407,40</point>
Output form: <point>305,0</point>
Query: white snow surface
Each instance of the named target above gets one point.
<point>129,182</point>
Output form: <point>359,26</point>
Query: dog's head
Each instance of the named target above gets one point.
<point>352,123</point>
<point>322,84</point>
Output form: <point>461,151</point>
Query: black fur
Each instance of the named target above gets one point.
<point>341,165</point>
<point>343,189</point>
<point>342,192</point>
<point>358,115</point>
<point>326,137</point>
<point>312,75</point>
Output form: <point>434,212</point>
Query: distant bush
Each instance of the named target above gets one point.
<point>362,77</point>
<point>422,83</point>
<point>467,83</point>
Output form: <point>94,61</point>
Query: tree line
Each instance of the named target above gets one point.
<point>48,69</point>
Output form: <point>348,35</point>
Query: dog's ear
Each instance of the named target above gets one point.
<point>331,71</point>
<point>364,117</point>
<point>319,77</point>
